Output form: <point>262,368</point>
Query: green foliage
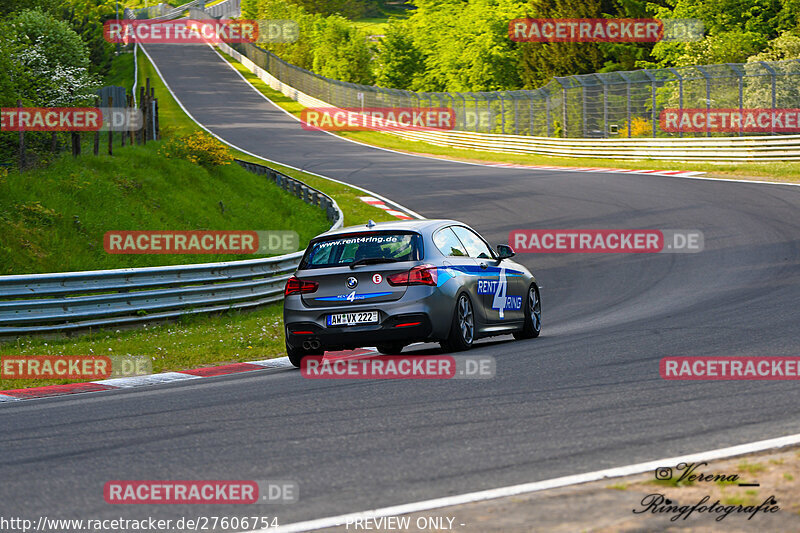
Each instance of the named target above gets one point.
<point>351,9</point>
<point>454,46</point>
<point>328,45</point>
<point>735,29</point>
<point>340,51</point>
<point>11,72</point>
<point>60,44</point>
<point>785,46</point>
<point>86,18</point>
<point>543,61</point>
<point>10,6</point>
<point>399,63</point>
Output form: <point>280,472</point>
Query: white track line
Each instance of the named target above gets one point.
<point>683,175</point>
<point>180,104</point>
<point>536,486</point>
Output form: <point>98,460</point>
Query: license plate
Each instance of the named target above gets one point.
<point>350,319</point>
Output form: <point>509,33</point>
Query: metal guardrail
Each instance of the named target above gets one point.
<point>162,11</point>
<point>228,8</point>
<point>45,303</point>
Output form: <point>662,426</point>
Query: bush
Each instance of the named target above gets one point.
<point>199,148</point>
<point>640,127</point>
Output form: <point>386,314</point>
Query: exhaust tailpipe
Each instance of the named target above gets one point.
<point>311,344</point>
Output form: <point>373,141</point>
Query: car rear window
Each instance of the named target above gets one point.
<point>348,248</point>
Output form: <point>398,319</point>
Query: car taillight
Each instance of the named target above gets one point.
<point>419,275</point>
<point>299,286</point>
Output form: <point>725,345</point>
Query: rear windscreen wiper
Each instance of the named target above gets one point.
<point>373,261</point>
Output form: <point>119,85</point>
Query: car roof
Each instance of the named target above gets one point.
<point>420,225</point>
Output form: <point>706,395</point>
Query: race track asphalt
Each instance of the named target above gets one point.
<point>584,396</point>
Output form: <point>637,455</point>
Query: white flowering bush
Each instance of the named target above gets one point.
<point>55,84</point>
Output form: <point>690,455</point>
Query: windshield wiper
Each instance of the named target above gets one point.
<point>372,261</point>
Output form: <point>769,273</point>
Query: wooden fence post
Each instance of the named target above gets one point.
<point>96,147</point>
<point>130,128</point>
<point>110,131</point>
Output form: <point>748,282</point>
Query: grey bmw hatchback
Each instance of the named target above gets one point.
<point>394,283</point>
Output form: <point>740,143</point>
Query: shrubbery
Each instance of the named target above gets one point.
<point>199,148</point>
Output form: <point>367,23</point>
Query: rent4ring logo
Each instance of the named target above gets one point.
<point>606,241</point>
<point>604,30</point>
<point>377,118</point>
<point>498,288</point>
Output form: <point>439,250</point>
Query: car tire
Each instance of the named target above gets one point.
<point>296,355</point>
<point>390,348</point>
<point>533,315</point>
<point>462,329</point>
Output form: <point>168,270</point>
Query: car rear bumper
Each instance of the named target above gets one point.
<point>422,314</point>
<point>398,328</point>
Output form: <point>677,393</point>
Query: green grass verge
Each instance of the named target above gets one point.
<point>53,219</point>
<point>355,211</point>
<point>188,343</point>
<point>769,171</point>
<point>372,26</point>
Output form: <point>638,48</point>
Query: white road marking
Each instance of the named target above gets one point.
<point>151,379</point>
<point>536,486</point>
<point>278,362</point>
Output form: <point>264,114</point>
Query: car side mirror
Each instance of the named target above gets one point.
<point>504,251</point>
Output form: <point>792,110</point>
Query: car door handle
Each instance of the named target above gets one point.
<point>484,266</point>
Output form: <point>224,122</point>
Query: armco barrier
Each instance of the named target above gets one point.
<point>43,303</point>
<point>779,148</point>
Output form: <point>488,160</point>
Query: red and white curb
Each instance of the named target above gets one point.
<point>380,204</point>
<point>676,173</point>
<point>164,377</point>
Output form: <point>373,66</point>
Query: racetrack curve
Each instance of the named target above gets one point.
<point>584,396</point>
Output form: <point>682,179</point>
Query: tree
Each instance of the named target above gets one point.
<point>399,63</point>
<point>340,51</point>
<point>54,38</point>
<point>543,61</point>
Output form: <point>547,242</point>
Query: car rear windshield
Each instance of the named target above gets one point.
<point>346,249</point>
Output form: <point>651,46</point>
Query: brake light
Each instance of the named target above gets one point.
<point>299,286</point>
<point>419,275</point>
